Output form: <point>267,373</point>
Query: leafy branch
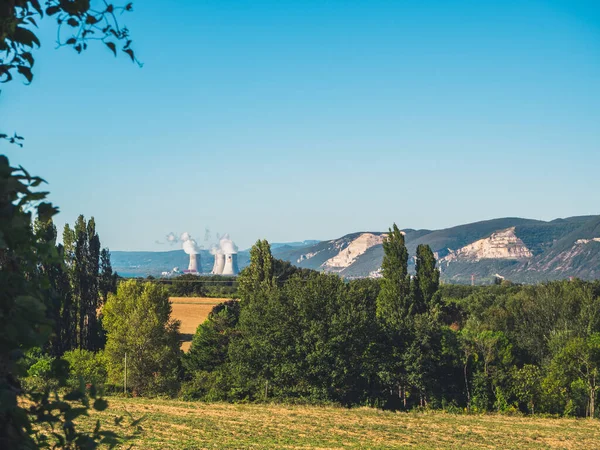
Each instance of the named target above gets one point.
<point>79,21</point>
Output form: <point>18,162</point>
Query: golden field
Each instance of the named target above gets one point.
<point>191,312</point>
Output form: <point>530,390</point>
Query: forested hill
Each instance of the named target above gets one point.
<point>522,250</point>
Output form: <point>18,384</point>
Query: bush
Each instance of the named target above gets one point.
<point>87,365</point>
<point>40,376</point>
<point>165,384</point>
<point>44,372</point>
<point>452,408</point>
<point>206,386</point>
<point>41,368</point>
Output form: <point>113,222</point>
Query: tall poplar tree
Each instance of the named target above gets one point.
<point>93,336</point>
<point>82,257</point>
<point>107,284</point>
<point>262,323</point>
<point>58,298</point>
<point>258,276</point>
<point>69,314</point>
<point>108,279</point>
<point>426,282</point>
<point>394,305</point>
<point>80,280</point>
<point>421,355</point>
<point>394,302</point>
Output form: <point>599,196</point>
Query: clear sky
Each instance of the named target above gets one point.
<point>293,120</point>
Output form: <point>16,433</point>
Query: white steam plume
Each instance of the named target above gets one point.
<point>215,249</point>
<point>172,238</point>
<point>189,245</point>
<point>227,245</point>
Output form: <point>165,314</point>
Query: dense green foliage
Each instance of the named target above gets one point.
<point>34,292</point>
<point>189,285</point>
<point>91,279</point>
<point>140,331</point>
<point>401,342</point>
<point>91,367</point>
<point>37,305</point>
<point>531,345</point>
<point>210,343</point>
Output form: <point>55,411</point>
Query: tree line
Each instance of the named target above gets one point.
<point>188,285</point>
<point>79,280</point>
<point>400,342</point>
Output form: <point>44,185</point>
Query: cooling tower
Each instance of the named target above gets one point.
<point>231,265</point>
<point>193,267</point>
<point>219,264</point>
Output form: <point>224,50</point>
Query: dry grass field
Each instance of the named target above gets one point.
<point>192,311</point>
<point>170,424</point>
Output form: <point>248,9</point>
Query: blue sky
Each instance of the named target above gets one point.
<point>292,120</point>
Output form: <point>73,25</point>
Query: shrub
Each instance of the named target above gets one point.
<point>87,365</point>
<point>206,386</point>
<point>41,368</point>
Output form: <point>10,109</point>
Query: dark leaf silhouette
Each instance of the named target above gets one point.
<point>112,46</point>
<point>26,37</point>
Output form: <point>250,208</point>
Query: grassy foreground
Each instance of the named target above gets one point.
<point>172,424</point>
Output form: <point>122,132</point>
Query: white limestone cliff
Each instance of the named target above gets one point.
<point>503,244</point>
<point>352,251</point>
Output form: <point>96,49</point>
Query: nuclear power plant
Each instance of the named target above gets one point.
<point>225,253</point>
<point>219,262</point>
<point>191,248</point>
<point>231,265</point>
<point>193,267</point>
<point>225,257</point>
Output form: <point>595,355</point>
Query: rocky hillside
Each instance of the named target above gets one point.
<point>503,244</point>
<point>521,250</point>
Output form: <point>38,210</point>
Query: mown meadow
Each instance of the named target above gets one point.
<point>189,425</point>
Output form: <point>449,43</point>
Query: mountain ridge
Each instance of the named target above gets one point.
<point>519,249</point>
